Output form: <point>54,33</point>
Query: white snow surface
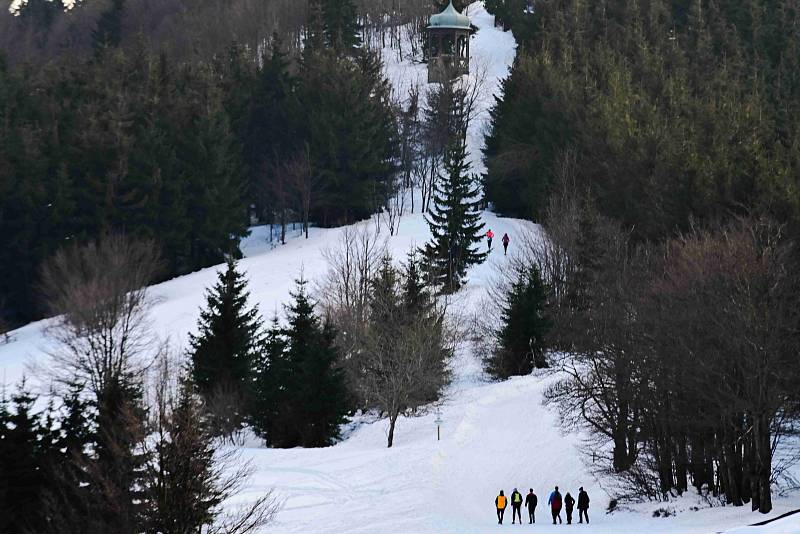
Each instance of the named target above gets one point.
<point>494,435</point>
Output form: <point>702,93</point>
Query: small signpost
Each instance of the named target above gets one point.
<point>438,422</point>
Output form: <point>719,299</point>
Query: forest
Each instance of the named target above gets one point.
<point>112,122</point>
<point>657,142</point>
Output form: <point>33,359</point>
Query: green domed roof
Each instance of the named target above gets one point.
<point>450,18</point>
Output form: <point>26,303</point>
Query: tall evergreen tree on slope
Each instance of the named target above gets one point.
<point>454,222</point>
<point>224,349</point>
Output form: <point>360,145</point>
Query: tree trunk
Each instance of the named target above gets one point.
<point>762,456</point>
<point>392,421</point>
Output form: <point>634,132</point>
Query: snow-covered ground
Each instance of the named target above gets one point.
<point>494,435</point>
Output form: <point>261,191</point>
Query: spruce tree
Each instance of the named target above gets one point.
<point>320,395</point>
<point>270,374</point>
<point>301,388</point>
<point>22,465</point>
<point>184,478</point>
<point>228,332</point>
<point>116,469</point>
<point>228,340</point>
<point>108,33</point>
<point>454,222</point>
<point>524,327</point>
<point>341,24</point>
<point>68,495</point>
<point>416,297</point>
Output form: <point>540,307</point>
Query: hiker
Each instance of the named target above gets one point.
<point>569,504</point>
<point>506,239</point>
<point>531,501</point>
<point>583,506</point>
<point>489,237</point>
<point>516,506</point>
<point>555,505</point>
<point>500,503</point>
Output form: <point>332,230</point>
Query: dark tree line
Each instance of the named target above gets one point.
<point>675,110</point>
<point>187,152</point>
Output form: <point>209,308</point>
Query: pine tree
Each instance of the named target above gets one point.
<point>454,222</point>
<point>524,326</point>
<point>108,33</point>
<point>68,495</point>
<point>341,24</point>
<point>227,342</point>
<point>116,470</point>
<point>217,214</point>
<point>302,398</point>
<point>271,372</point>
<point>184,478</point>
<point>587,255</point>
<point>320,393</point>
<point>22,466</point>
<point>416,297</point>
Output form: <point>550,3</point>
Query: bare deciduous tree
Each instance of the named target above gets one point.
<point>98,292</point>
<point>346,289</point>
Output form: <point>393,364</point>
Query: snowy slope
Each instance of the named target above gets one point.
<point>494,435</point>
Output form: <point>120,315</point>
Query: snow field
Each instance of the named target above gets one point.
<point>494,435</point>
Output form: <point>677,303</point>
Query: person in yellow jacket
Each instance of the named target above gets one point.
<point>500,502</point>
<point>516,506</point>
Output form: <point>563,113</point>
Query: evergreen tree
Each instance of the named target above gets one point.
<point>271,372</point>
<point>302,391</point>
<point>319,391</point>
<point>454,222</point>
<point>68,495</point>
<point>108,33</point>
<point>22,465</point>
<point>416,297</point>
<point>341,24</point>
<point>351,135</point>
<point>227,343</point>
<point>587,256</point>
<point>183,477</point>
<point>524,327</point>
<point>117,468</point>
<point>216,215</point>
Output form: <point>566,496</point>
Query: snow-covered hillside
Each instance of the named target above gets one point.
<point>494,435</point>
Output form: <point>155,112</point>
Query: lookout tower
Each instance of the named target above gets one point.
<point>448,45</point>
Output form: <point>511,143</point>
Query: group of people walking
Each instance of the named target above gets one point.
<point>506,240</point>
<point>555,502</point>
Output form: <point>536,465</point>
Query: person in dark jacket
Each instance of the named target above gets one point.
<point>569,504</point>
<point>583,506</point>
<point>555,505</point>
<point>516,506</point>
<point>500,503</point>
<point>506,239</point>
<point>530,502</point>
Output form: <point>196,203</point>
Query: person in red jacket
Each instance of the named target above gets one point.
<point>555,505</point>
<point>506,239</point>
<point>489,237</point>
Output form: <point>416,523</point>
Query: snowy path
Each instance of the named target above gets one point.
<point>494,436</point>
